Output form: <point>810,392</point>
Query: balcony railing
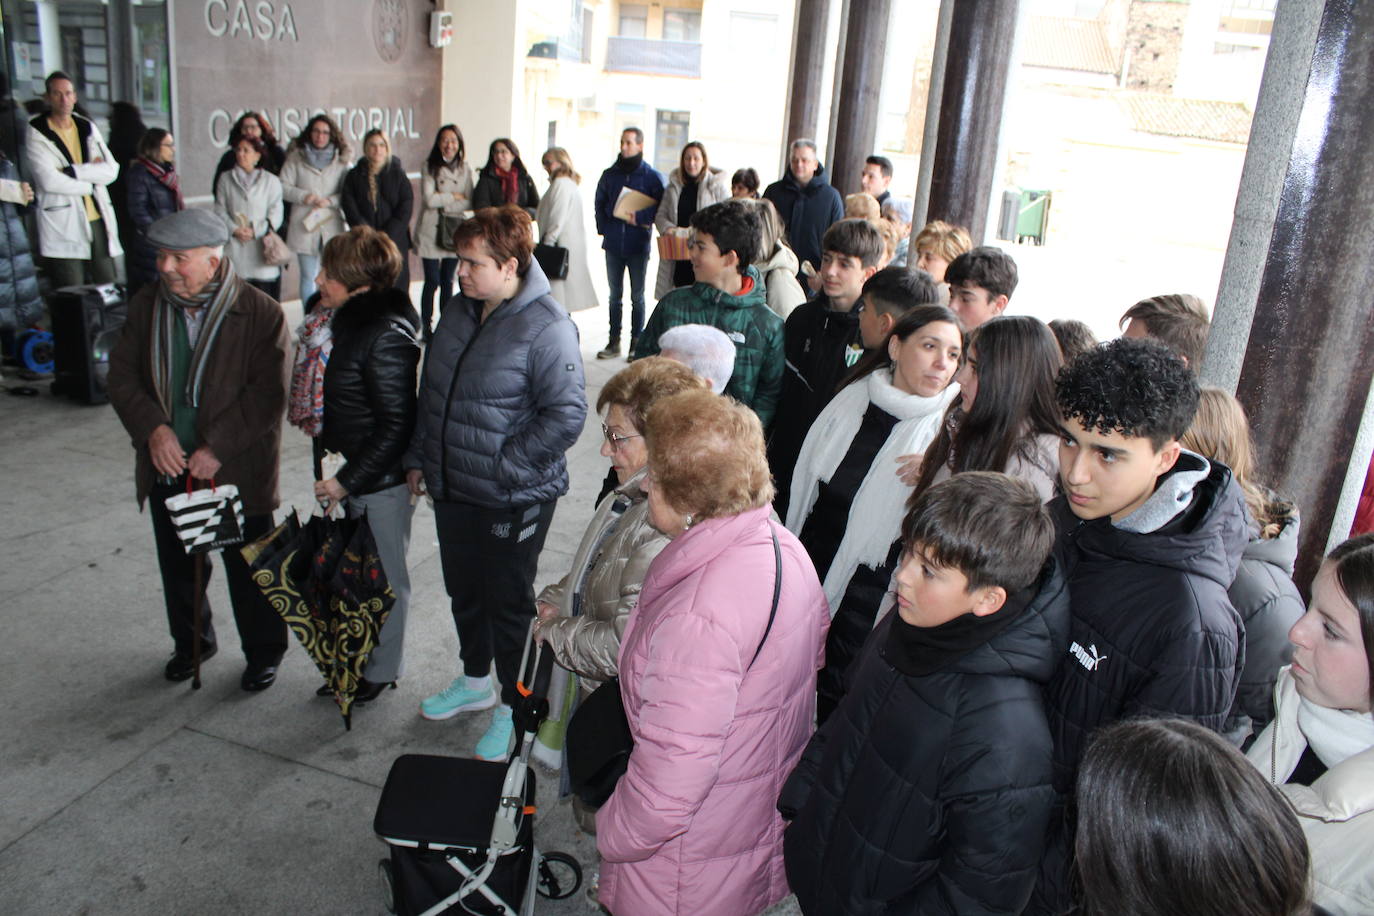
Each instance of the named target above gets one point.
<point>649,55</point>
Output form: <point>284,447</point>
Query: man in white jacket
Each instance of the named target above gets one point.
<point>70,166</point>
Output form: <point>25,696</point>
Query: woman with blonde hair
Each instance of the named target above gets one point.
<point>862,205</point>
<point>1263,591</point>
<point>563,225</point>
<point>717,672</point>
<point>776,261</point>
<point>377,193</point>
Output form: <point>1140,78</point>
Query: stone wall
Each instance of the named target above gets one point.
<point>1154,39</point>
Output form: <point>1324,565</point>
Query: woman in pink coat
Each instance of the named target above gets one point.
<point>720,701</point>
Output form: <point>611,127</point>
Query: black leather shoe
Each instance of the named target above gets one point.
<point>368,691</point>
<point>180,667</point>
<point>324,691</point>
<point>258,677</point>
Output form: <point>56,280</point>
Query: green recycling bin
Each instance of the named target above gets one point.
<point>1033,217</point>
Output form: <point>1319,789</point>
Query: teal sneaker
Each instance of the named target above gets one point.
<point>456,698</point>
<point>495,744</point>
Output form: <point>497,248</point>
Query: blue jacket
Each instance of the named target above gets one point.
<point>500,402</point>
<point>806,211</point>
<point>618,236</point>
<point>149,201</point>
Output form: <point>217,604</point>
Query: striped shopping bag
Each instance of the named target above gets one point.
<point>207,520</point>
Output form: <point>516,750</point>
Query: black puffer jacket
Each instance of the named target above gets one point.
<point>807,211</point>
<point>1153,633</point>
<point>20,305</point>
<point>395,198</point>
<point>816,345</point>
<point>369,389</point>
<point>930,794</point>
<point>501,401</point>
<point>1269,604</point>
<point>149,200</point>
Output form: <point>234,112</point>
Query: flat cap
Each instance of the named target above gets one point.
<point>186,229</point>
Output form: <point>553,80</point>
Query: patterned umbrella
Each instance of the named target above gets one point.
<point>327,582</point>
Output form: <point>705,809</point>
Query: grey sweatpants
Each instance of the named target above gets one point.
<point>388,514</point>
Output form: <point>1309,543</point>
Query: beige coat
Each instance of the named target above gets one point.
<point>1336,811</point>
<point>780,280</point>
<point>436,194</point>
<point>589,644</point>
<point>714,189</point>
<point>562,223</point>
<point>300,179</point>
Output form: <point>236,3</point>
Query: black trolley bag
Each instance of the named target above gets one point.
<point>461,831</point>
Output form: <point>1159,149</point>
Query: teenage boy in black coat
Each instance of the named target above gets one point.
<point>1150,537</point>
<point>928,789</point>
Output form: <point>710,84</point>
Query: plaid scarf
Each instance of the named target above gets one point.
<point>316,342</point>
<point>167,176</point>
<point>216,298</point>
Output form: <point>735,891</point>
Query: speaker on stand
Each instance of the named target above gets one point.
<point>86,321</point>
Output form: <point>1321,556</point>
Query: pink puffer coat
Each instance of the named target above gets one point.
<point>692,827</point>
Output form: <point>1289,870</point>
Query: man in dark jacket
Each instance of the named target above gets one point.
<point>198,378</point>
<point>806,202</point>
<point>1150,537</point>
<point>626,241</point>
<point>928,790</point>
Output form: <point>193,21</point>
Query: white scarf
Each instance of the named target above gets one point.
<point>875,517</point>
<point>1335,735</point>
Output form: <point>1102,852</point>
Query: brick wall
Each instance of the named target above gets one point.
<point>1154,38</point>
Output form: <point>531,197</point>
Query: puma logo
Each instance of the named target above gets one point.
<point>1088,657</point>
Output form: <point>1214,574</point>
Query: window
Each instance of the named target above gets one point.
<point>681,25</point>
<point>670,136</point>
<point>634,21</point>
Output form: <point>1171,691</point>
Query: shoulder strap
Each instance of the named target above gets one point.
<point>777,591</point>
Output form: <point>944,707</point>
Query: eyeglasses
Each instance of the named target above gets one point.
<point>615,439</point>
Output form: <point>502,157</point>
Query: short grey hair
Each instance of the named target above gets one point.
<point>806,142</point>
<point>703,349</point>
<point>899,209</point>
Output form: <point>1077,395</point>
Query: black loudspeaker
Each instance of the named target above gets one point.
<point>85,325</point>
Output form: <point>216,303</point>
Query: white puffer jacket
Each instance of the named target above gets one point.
<point>1336,811</point>
<point>63,230</point>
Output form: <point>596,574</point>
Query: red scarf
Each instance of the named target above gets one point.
<point>510,183</point>
<point>170,179</point>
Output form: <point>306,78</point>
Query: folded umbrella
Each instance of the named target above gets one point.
<point>360,599</point>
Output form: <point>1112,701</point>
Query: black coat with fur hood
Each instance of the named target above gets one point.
<point>369,389</point>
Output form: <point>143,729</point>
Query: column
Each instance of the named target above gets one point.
<point>856,108</point>
<point>1305,378</point>
<point>976,73</point>
<point>808,70</point>
<point>929,136</point>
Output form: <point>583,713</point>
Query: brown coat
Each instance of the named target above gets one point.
<point>242,401</point>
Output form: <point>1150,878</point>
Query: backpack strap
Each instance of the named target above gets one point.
<point>777,592</point>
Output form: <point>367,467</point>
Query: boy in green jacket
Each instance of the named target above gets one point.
<point>728,294</point>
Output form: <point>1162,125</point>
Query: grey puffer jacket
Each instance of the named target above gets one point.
<point>1267,600</point>
<point>501,401</point>
<point>20,305</point>
<point>604,582</point>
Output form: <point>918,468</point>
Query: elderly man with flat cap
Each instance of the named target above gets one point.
<point>199,379</point>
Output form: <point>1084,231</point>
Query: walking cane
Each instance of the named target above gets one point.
<point>196,601</point>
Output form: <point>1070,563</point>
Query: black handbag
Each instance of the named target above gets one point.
<point>447,225</point>
<point>553,260</point>
<point>598,741</point>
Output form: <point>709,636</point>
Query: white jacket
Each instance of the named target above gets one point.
<point>1336,811</point>
<point>262,205</point>
<point>63,230</point>
<point>712,189</point>
<point>562,222</point>
<point>299,179</point>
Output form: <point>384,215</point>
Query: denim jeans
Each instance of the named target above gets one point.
<point>310,266</point>
<point>438,277</point>
<point>616,266</point>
